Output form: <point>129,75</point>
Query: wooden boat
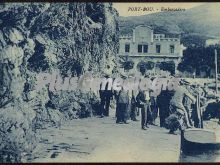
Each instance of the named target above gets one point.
<point>198,140</point>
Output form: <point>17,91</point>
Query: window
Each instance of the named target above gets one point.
<point>145,48</point>
<point>139,48</point>
<point>127,48</point>
<point>171,48</point>
<point>142,48</point>
<point>157,48</point>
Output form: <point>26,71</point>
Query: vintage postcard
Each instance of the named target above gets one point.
<point>109,82</point>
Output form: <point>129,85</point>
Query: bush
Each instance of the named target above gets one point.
<point>75,104</point>
<point>16,136</point>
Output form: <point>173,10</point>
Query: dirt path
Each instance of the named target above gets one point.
<point>101,140</point>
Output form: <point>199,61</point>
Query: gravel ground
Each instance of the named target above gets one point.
<point>102,140</point>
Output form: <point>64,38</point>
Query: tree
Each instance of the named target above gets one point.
<point>168,66</point>
<point>143,66</point>
<point>127,65</point>
<point>197,59</point>
<point>149,65</point>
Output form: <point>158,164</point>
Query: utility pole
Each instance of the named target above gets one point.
<point>216,72</point>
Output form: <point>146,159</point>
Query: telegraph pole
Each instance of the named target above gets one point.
<point>216,72</point>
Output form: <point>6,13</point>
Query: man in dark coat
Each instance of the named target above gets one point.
<point>116,94</point>
<point>143,101</point>
<point>153,110</point>
<point>163,103</point>
<point>105,96</point>
<point>133,107</point>
<point>122,106</point>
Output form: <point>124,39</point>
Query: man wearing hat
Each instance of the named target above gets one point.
<point>143,103</point>
<point>153,108</point>
<point>122,107</point>
<point>177,104</point>
<point>132,110</point>
<point>105,96</point>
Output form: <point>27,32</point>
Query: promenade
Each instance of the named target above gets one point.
<point>102,140</point>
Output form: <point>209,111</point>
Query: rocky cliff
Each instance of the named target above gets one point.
<point>41,37</point>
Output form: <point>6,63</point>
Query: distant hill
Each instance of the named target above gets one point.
<point>196,24</point>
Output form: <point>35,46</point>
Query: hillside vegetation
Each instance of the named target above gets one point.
<point>195,24</point>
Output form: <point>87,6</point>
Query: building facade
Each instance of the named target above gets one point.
<point>144,45</point>
<point>213,42</point>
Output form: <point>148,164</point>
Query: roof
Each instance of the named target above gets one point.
<point>124,30</point>
<point>143,25</point>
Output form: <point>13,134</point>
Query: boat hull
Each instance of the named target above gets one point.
<point>199,141</point>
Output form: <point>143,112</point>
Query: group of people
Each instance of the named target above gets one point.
<point>176,109</point>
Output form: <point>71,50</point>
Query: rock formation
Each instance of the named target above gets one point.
<point>40,37</point>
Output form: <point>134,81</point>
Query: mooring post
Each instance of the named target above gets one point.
<point>216,72</point>
<point>198,110</point>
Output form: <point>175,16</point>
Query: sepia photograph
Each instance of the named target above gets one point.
<point>109,82</point>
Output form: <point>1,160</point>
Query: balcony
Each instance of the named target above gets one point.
<point>161,55</point>
<point>166,39</point>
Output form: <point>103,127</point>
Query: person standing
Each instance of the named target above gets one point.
<point>122,109</point>
<point>105,96</point>
<point>143,101</point>
<point>163,103</point>
<point>116,94</point>
<point>187,103</point>
<point>153,110</point>
<point>133,107</point>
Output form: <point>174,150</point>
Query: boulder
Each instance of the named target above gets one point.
<point>15,36</point>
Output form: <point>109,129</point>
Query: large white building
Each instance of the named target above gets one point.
<point>145,45</point>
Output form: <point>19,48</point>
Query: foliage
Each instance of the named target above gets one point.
<point>16,135</point>
<point>143,66</point>
<point>196,59</point>
<point>37,62</point>
<point>149,65</point>
<point>75,104</point>
<point>127,65</point>
<point>168,66</point>
<point>194,40</point>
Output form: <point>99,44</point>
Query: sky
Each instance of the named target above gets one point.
<point>123,8</point>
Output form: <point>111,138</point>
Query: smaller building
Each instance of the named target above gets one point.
<point>145,45</point>
<point>212,42</point>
